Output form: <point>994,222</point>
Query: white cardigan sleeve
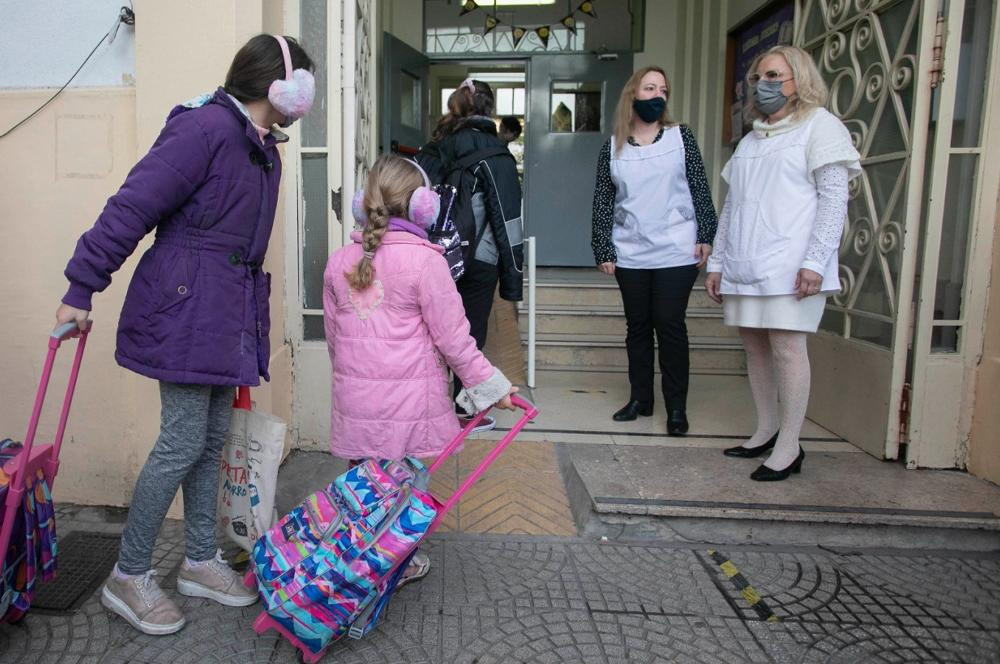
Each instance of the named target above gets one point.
<point>830,143</point>
<point>831,211</point>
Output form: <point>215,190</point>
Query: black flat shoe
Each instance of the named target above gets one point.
<point>631,410</point>
<point>677,423</point>
<point>765,474</point>
<point>750,452</point>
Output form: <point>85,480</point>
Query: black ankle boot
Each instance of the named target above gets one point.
<point>750,452</point>
<point>765,474</point>
<point>677,423</point>
<point>631,410</point>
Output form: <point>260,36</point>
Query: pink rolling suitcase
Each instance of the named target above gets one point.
<point>328,568</point>
<point>27,520</point>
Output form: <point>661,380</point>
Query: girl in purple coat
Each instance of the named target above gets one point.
<point>196,315</point>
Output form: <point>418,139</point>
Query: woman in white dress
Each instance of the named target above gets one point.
<point>776,251</point>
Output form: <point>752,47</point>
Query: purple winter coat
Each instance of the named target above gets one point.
<point>196,310</point>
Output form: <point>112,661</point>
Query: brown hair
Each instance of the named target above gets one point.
<point>463,104</point>
<point>391,182</point>
<point>259,63</point>
<point>624,112</point>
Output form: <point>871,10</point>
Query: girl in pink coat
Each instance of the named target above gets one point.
<point>395,324</point>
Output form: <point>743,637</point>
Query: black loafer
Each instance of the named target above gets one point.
<point>765,474</point>
<point>677,423</point>
<point>750,452</point>
<point>632,410</point>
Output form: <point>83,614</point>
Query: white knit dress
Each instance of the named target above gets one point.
<point>832,161</point>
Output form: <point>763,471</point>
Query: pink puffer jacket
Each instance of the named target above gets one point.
<point>390,349</point>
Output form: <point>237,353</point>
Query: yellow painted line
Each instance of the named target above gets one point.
<point>729,569</point>
<point>747,591</point>
<point>750,595</point>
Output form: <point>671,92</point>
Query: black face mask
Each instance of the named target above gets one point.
<point>649,110</point>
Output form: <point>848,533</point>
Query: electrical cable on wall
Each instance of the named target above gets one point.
<point>126,15</point>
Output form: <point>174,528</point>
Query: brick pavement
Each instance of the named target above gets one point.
<point>540,599</point>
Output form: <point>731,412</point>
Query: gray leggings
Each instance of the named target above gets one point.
<point>194,420</point>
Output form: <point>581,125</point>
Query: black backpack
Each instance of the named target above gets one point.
<point>457,214</point>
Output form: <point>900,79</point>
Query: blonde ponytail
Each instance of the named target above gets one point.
<point>390,184</point>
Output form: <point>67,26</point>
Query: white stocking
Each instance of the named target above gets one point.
<point>791,364</point>
<point>760,367</point>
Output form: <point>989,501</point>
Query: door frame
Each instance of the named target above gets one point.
<point>309,428</point>
<point>524,60</point>
<point>841,361</point>
<point>940,428</point>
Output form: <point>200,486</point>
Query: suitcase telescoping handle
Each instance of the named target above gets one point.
<point>530,413</point>
<point>62,333</point>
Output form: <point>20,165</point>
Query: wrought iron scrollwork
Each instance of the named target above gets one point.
<point>871,74</point>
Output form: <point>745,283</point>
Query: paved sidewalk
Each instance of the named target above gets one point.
<point>504,599</point>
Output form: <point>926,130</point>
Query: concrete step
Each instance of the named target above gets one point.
<point>555,350</point>
<point>619,369</point>
<point>841,498</point>
<point>571,319</point>
<point>588,294</point>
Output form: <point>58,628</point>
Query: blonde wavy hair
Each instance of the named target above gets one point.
<point>624,112</point>
<point>810,88</point>
<point>391,182</point>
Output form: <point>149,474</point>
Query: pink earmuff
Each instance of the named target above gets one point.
<point>425,203</point>
<point>424,208</point>
<point>293,95</point>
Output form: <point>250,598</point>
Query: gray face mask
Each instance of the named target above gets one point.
<point>768,98</point>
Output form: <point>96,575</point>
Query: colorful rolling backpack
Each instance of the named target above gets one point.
<point>328,567</point>
<point>31,551</point>
<point>27,471</point>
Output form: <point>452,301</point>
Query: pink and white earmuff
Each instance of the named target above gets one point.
<point>293,95</point>
<point>424,208</point>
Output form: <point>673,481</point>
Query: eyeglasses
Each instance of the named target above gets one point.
<point>772,75</point>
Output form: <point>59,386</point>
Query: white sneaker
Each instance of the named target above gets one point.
<point>140,601</point>
<point>486,424</point>
<point>215,580</point>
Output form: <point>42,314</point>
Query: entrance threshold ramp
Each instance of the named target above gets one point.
<point>576,407</point>
<point>840,500</point>
<point>630,479</point>
<point>833,487</point>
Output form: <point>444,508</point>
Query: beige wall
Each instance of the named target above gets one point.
<point>58,171</point>
<point>984,446</point>
<point>69,158</point>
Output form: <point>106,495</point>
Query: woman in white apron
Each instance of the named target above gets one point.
<point>776,253</point>
<point>653,227</point>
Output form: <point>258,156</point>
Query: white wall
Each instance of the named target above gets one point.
<point>404,19</point>
<point>44,41</point>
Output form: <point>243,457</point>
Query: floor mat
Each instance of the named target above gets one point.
<point>85,560</point>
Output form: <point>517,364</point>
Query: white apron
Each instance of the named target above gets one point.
<point>654,222</point>
<point>773,206</point>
